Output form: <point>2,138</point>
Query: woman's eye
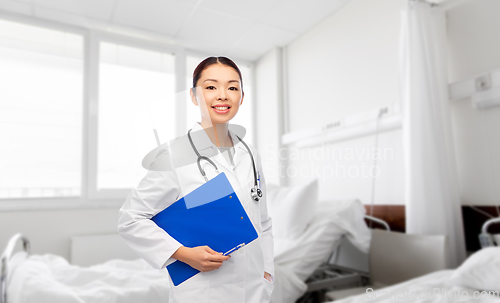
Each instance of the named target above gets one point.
<point>210,87</point>
<point>233,88</point>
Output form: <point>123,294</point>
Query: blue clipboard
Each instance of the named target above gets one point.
<point>210,215</point>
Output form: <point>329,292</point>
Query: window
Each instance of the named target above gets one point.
<point>40,112</point>
<point>136,95</point>
<point>193,112</point>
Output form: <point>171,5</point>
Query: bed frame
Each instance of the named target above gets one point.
<point>332,276</point>
<point>6,256</point>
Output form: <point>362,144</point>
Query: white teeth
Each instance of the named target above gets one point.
<point>221,108</point>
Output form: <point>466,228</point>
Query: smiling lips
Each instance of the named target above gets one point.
<point>221,109</point>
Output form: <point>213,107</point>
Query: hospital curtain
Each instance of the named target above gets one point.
<point>431,186</point>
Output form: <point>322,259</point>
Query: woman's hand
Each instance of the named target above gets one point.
<point>267,276</point>
<point>203,258</point>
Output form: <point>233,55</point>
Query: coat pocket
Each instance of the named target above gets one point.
<point>268,290</point>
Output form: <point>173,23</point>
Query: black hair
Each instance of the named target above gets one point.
<point>214,60</point>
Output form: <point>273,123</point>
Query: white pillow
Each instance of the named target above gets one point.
<point>481,271</point>
<point>292,208</point>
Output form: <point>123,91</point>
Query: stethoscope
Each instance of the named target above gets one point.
<point>255,191</point>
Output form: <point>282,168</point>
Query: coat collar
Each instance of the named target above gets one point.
<point>206,147</point>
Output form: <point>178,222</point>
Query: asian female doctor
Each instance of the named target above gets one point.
<point>246,275</point>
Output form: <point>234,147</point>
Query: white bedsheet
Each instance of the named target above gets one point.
<point>49,278</point>
<point>433,287</point>
<point>296,260</point>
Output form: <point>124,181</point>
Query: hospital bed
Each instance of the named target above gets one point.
<point>51,278</point>
<point>346,268</point>
<point>476,280</point>
<point>295,263</point>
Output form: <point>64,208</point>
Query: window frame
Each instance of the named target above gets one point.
<point>96,37</point>
<point>40,203</point>
<point>90,197</point>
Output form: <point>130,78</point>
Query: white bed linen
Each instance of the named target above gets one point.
<point>433,287</point>
<point>296,261</point>
<point>480,271</point>
<point>49,278</point>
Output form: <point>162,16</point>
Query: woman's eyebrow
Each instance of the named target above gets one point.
<point>218,81</point>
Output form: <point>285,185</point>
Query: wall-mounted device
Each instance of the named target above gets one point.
<point>366,123</point>
<point>484,90</point>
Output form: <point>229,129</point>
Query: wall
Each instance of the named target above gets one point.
<point>344,65</point>
<point>348,63</point>
<point>474,49</point>
<point>49,231</point>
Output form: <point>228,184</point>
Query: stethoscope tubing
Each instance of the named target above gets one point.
<point>202,171</point>
<point>253,162</point>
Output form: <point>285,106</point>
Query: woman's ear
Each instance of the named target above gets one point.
<point>193,96</point>
<point>242,95</point>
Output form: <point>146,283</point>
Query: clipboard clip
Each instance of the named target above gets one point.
<point>234,249</point>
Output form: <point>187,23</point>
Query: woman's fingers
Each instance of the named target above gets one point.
<point>208,266</point>
<point>207,259</point>
<point>208,249</point>
<point>212,260</point>
<point>218,258</point>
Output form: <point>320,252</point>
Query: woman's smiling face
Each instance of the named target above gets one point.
<point>222,95</point>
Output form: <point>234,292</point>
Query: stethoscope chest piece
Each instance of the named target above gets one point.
<point>256,194</point>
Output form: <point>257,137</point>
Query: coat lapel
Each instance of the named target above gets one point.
<point>206,147</point>
<point>239,149</point>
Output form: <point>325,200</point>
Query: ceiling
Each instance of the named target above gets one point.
<point>240,29</point>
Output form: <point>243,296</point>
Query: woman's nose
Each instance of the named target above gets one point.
<point>222,96</point>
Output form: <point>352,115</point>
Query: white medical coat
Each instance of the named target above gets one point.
<point>239,279</point>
